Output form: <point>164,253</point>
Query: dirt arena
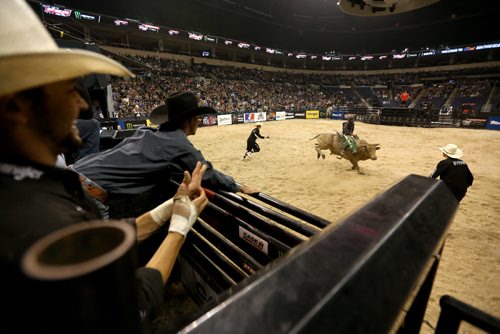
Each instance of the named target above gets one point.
<point>286,168</point>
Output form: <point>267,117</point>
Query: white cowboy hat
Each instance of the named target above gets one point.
<point>29,56</point>
<point>452,151</point>
<point>258,124</point>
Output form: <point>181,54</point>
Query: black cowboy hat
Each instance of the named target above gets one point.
<point>179,105</point>
<point>84,93</point>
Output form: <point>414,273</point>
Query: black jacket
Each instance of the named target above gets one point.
<point>35,201</point>
<point>456,175</point>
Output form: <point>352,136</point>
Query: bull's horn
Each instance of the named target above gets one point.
<point>376,144</point>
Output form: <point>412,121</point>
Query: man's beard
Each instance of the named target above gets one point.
<point>71,142</point>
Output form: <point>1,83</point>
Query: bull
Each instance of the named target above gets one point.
<point>335,143</point>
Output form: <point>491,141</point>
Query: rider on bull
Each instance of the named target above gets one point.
<point>348,135</point>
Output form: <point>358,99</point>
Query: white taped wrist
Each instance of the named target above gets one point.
<point>162,212</point>
<point>181,224</point>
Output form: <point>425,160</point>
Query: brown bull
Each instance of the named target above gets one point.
<point>335,143</point>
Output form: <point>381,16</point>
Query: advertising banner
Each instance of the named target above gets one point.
<point>290,115</point>
<point>280,115</point>
<point>255,117</point>
<point>121,124</point>
<point>338,115</point>
<point>224,119</point>
<point>312,113</point>
<point>493,123</point>
<point>237,118</point>
<point>208,120</point>
<point>299,114</point>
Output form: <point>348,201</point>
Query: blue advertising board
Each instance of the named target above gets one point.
<point>338,115</point>
<point>493,123</point>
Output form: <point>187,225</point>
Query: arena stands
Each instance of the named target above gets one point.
<point>369,90</point>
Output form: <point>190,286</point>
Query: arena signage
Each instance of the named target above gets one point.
<point>148,27</point>
<point>253,240</point>
<point>119,22</point>
<point>81,16</point>
<point>280,115</point>
<point>338,115</point>
<point>312,113</point>
<point>289,115</point>
<point>238,118</point>
<point>493,123</point>
<point>53,10</point>
<point>255,117</point>
<point>209,120</point>
<point>224,119</point>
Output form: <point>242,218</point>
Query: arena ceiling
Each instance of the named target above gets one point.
<point>315,26</point>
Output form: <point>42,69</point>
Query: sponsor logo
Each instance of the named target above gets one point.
<point>80,16</point>
<point>280,115</point>
<point>459,163</point>
<point>197,37</point>
<point>312,113</point>
<point>148,27</point>
<point>120,22</point>
<point>57,11</point>
<point>253,240</point>
<point>224,119</point>
<point>20,173</point>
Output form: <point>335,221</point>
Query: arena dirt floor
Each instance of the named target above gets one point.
<point>287,169</point>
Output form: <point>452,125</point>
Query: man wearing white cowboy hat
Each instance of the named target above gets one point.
<point>38,109</point>
<point>252,146</point>
<point>453,171</point>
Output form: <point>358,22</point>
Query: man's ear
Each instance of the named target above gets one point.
<point>14,109</point>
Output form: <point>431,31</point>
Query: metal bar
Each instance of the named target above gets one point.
<point>291,239</point>
<point>453,311</point>
<point>295,225</point>
<point>302,214</point>
<point>217,256</point>
<point>213,217</point>
<point>235,228</point>
<point>213,275</point>
<point>413,320</point>
<point>244,260</point>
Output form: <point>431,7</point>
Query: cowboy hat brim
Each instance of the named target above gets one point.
<point>33,69</point>
<point>159,115</point>
<point>458,154</point>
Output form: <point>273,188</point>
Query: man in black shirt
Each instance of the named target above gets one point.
<point>38,108</point>
<point>252,146</point>
<point>453,171</point>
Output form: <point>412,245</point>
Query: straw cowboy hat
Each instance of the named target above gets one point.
<point>29,56</point>
<point>179,105</point>
<point>258,124</point>
<point>452,151</point>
